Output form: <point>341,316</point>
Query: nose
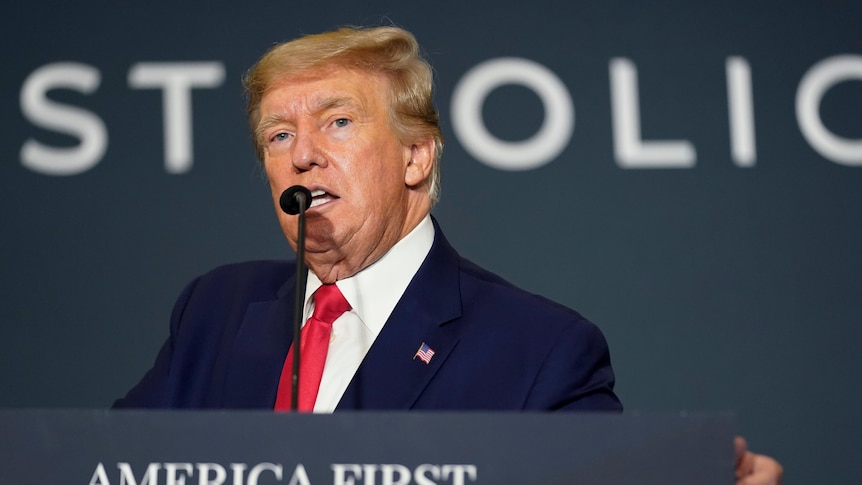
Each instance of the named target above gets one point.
<point>306,152</point>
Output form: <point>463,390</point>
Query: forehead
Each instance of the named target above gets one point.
<point>327,87</point>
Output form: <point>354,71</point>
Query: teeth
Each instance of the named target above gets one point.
<point>320,197</point>
<point>318,201</point>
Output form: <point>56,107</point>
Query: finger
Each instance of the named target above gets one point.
<point>744,459</point>
<point>741,448</point>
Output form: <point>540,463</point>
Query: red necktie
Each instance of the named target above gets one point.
<point>329,304</point>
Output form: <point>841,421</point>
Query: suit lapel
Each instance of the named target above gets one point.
<point>257,356</point>
<point>391,376</point>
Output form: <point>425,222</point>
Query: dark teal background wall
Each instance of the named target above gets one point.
<point>727,283</point>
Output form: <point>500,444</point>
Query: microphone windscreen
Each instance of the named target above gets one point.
<point>292,197</point>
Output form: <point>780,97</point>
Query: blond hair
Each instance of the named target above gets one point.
<point>390,51</point>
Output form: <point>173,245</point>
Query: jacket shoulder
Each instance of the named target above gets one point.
<point>264,278</point>
<point>481,284</point>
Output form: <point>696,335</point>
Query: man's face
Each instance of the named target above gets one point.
<point>328,129</point>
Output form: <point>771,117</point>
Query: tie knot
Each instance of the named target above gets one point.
<point>329,303</point>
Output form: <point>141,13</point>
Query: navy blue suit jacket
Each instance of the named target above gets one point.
<point>496,347</point>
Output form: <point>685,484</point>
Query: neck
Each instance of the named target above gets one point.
<point>343,262</point>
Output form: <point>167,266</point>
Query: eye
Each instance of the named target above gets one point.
<point>341,122</point>
<point>281,136</point>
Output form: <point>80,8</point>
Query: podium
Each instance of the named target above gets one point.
<point>69,447</point>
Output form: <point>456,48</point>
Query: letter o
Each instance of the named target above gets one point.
<point>551,139</point>
<point>819,79</point>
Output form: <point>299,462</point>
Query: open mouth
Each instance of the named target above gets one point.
<point>320,197</point>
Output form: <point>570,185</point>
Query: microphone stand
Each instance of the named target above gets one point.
<point>295,200</point>
<point>299,304</point>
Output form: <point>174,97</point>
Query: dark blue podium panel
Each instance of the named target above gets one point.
<point>261,448</point>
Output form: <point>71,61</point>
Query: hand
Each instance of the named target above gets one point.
<point>754,469</point>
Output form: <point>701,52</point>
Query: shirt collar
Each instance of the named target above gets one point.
<point>374,291</point>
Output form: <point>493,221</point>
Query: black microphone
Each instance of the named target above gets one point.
<point>295,200</point>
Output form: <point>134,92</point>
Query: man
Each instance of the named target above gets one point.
<point>349,115</point>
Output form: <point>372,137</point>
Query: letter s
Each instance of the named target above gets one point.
<point>419,474</point>
<point>77,122</point>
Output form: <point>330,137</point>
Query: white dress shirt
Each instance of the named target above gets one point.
<point>372,294</point>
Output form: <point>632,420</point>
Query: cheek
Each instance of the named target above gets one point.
<point>273,183</point>
<point>379,185</point>
<point>388,166</point>
<point>279,178</point>
<point>268,170</point>
<point>275,190</point>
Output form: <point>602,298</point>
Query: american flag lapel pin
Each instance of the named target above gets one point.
<point>424,353</point>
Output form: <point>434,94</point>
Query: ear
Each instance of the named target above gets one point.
<point>420,163</point>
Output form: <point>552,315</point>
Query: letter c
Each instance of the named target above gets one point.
<point>819,79</point>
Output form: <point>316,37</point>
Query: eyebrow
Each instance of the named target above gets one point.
<point>265,124</point>
<point>270,120</point>
<point>331,102</point>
